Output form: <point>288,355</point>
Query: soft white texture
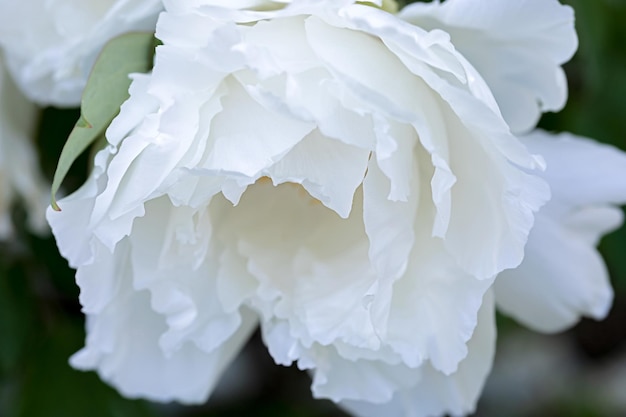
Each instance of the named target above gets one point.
<point>517,46</point>
<point>563,276</point>
<point>51,45</point>
<point>20,177</point>
<point>434,393</point>
<point>335,174</point>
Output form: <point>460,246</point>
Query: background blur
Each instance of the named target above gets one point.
<point>580,373</point>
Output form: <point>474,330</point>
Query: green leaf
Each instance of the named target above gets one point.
<point>390,6</point>
<point>106,90</point>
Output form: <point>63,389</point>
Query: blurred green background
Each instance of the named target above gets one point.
<point>579,373</point>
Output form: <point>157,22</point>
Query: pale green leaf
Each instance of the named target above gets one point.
<point>106,90</point>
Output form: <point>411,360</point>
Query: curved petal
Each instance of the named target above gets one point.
<point>311,264</point>
<point>319,281</point>
<point>433,297</point>
<point>340,379</point>
<point>328,169</point>
<point>76,210</point>
<point>563,277</point>
<point>123,342</point>
<point>480,195</point>
<point>158,325</point>
<point>248,148</point>
<point>173,256</point>
<point>432,393</point>
<point>428,284</point>
<point>517,48</point>
<point>389,224</point>
<point>580,170</point>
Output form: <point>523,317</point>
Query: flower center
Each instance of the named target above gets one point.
<point>301,192</point>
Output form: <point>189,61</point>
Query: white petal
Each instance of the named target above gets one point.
<point>433,393</point>
<point>123,346</point>
<point>131,173</point>
<point>517,48</point>
<point>478,195</point>
<point>313,96</point>
<point>580,171</point>
<point>172,341</point>
<point>340,379</point>
<point>328,294</point>
<point>496,202</point>
<point>139,105</point>
<point>291,54</point>
<point>173,256</point>
<point>336,376</point>
<point>311,264</point>
<point>563,277</point>
<point>389,224</point>
<point>395,152</point>
<point>71,226</point>
<point>247,146</point>
<point>76,250</point>
<point>394,94</point>
<point>433,297</point>
<point>328,169</point>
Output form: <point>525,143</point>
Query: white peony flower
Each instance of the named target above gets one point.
<point>518,48</point>
<point>51,45</point>
<point>323,169</point>
<point>20,178</point>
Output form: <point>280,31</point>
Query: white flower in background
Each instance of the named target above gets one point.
<point>51,45</point>
<point>20,178</point>
<point>563,276</point>
<point>326,170</point>
<point>518,47</point>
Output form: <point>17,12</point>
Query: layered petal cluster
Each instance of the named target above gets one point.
<point>518,47</point>
<point>340,177</point>
<point>20,177</point>
<point>51,45</point>
<point>348,181</point>
<point>561,278</point>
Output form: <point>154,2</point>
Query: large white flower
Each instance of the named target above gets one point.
<point>325,169</point>
<point>517,46</point>
<point>51,45</point>
<point>20,178</point>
